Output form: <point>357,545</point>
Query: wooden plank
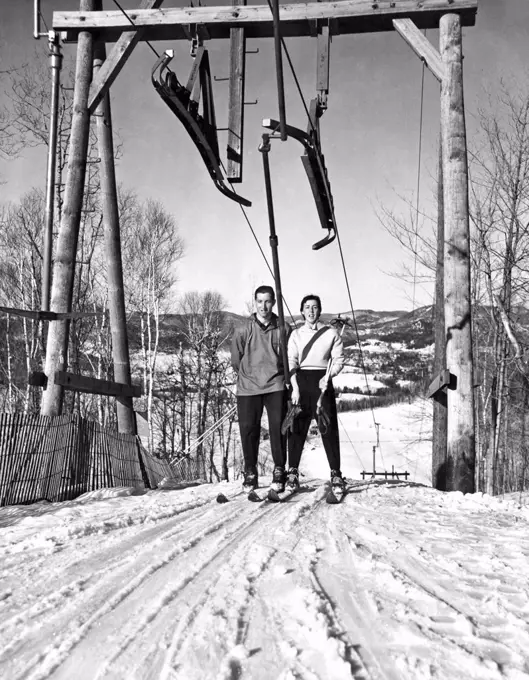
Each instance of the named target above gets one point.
<point>349,16</point>
<point>322,66</point>
<point>420,44</point>
<point>48,316</point>
<point>442,380</point>
<point>115,61</point>
<point>83,383</point>
<point>236,101</point>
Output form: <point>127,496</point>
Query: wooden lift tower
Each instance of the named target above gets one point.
<point>92,27</point>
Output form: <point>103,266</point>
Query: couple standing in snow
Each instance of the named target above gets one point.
<point>315,355</point>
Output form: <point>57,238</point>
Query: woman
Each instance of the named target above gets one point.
<point>315,355</point>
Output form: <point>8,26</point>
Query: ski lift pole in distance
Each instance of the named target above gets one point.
<point>264,148</point>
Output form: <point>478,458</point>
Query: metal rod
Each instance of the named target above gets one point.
<point>264,148</point>
<point>55,65</point>
<point>279,72</point>
<point>36,19</point>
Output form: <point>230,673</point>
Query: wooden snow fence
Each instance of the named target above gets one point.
<point>61,457</point>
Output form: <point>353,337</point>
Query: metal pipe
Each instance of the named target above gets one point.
<point>279,72</point>
<point>36,19</point>
<point>264,148</point>
<point>55,65</point>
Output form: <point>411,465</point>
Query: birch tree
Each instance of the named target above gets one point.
<point>152,247</point>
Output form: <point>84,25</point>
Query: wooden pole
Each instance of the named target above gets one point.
<point>439,362</point>
<point>460,398</point>
<point>64,269</point>
<point>279,71</point>
<point>116,294</point>
<point>236,101</point>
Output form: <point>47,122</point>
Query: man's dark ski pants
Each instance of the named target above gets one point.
<point>250,411</point>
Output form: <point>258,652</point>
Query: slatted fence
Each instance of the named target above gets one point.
<point>60,458</point>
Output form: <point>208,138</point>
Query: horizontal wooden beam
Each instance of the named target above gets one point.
<point>82,383</point>
<point>442,380</point>
<point>422,47</point>
<point>348,16</point>
<point>115,61</point>
<point>48,316</point>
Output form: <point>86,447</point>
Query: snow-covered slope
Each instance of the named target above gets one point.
<point>400,581</point>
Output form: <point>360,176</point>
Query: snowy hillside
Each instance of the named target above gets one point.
<point>400,581</point>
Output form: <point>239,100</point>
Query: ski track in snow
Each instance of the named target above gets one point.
<point>399,581</point>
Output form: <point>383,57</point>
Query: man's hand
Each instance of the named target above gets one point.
<point>294,397</point>
<point>323,384</point>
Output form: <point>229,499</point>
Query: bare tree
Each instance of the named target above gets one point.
<point>152,246</point>
<point>500,216</point>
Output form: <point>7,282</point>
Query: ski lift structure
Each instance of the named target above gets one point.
<point>92,27</point>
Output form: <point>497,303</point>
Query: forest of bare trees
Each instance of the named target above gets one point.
<point>499,215</point>
<point>180,404</point>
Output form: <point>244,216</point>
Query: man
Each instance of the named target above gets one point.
<point>257,358</point>
<point>315,355</point>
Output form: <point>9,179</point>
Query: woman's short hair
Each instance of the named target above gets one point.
<point>310,297</point>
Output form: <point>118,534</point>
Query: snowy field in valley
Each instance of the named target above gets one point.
<point>400,581</point>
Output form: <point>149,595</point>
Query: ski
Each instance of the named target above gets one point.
<point>281,496</point>
<point>335,496</point>
<point>255,497</point>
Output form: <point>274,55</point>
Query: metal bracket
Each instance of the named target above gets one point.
<point>314,165</point>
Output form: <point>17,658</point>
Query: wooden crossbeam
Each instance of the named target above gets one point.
<point>83,383</point>
<point>115,61</point>
<point>348,16</point>
<point>48,316</point>
<point>422,47</point>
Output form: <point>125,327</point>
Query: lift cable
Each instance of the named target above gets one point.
<point>417,225</point>
<point>127,17</point>
<point>302,97</point>
<point>248,222</point>
<point>418,188</point>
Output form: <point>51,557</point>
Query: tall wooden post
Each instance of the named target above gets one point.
<point>460,460</point>
<point>439,362</point>
<point>116,295</point>
<point>236,100</point>
<point>64,269</point>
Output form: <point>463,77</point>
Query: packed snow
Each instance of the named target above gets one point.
<point>399,581</point>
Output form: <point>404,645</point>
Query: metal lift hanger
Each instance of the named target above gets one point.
<point>184,103</point>
<point>314,164</point>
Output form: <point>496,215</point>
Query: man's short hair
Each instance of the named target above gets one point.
<point>265,289</point>
<point>310,297</point>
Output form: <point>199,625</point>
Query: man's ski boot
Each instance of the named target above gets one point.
<point>250,481</point>
<point>278,479</point>
<point>337,491</point>
<point>293,479</point>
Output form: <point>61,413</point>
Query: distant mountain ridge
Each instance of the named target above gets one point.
<point>412,328</point>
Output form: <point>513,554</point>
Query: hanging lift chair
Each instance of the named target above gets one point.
<point>184,103</point>
<point>314,164</point>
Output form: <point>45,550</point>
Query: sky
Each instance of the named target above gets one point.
<point>398,582</point>
<point>370,139</point>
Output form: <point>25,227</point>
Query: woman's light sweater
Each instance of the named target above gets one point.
<point>328,345</point>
